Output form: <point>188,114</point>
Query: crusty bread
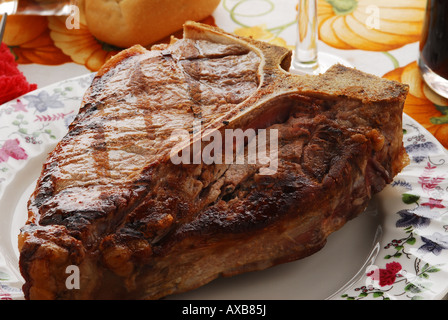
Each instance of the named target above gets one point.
<point>128,22</point>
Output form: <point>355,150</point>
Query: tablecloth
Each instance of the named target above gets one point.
<point>376,36</point>
<point>379,37</point>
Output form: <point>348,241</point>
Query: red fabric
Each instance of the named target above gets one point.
<point>12,82</point>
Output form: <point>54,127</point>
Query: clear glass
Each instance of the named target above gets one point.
<point>305,55</point>
<point>36,7</point>
<point>433,58</point>
<point>306,58</point>
<point>2,26</point>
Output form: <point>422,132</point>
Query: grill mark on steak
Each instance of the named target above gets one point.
<point>100,150</point>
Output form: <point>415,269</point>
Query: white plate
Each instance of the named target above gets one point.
<point>397,249</point>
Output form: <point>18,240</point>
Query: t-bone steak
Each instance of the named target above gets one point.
<point>124,201</point>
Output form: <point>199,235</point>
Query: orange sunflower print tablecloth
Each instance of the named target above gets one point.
<point>376,36</point>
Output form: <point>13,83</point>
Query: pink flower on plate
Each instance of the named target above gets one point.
<point>19,106</point>
<point>12,149</point>
<point>386,276</point>
<point>434,203</point>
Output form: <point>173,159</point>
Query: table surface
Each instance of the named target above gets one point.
<point>376,36</point>
<point>379,37</point>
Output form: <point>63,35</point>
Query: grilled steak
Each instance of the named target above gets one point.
<point>124,200</point>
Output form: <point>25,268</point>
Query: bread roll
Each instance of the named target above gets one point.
<point>128,22</point>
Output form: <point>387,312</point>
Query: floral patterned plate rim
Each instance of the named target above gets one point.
<point>407,246</point>
<point>409,260</point>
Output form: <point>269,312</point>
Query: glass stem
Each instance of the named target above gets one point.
<point>306,45</point>
<point>3,26</point>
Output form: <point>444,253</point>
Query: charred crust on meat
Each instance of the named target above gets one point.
<point>111,201</point>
